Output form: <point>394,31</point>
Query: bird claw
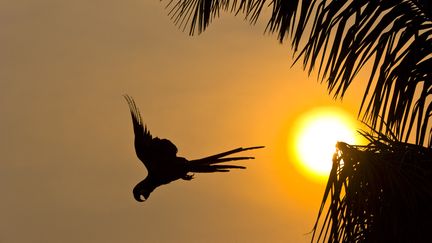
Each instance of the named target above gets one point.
<point>188,177</point>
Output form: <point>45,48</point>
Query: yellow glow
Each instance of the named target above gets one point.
<point>316,135</point>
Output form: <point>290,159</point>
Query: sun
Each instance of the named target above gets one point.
<point>316,134</point>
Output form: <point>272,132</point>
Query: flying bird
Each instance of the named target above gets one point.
<point>159,156</point>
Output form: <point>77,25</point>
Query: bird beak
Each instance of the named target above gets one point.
<point>137,197</point>
<point>142,190</point>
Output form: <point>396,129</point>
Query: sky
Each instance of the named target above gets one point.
<point>68,164</point>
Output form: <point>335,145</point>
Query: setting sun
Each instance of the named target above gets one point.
<point>316,134</point>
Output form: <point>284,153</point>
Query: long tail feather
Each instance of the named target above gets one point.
<point>217,158</point>
<point>208,164</point>
<point>217,161</point>
<point>213,168</point>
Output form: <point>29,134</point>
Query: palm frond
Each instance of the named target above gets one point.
<point>377,193</point>
<point>341,38</point>
<point>198,14</point>
<point>396,37</point>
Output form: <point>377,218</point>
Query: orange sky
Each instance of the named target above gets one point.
<point>68,164</point>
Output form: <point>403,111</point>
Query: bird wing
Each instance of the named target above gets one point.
<point>143,138</point>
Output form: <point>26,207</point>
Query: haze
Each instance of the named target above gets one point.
<point>67,159</point>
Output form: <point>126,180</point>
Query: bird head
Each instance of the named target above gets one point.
<point>143,189</point>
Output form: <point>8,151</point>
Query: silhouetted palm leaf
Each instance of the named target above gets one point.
<point>341,37</point>
<point>396,37</point>
<point>377,193</point>
<point>380,192</point>
<point>199,13</point>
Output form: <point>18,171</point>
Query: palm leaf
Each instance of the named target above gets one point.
<point>377,193</point>
<point>198,14</point>
<point>395,37</point>
<point>341,38</point>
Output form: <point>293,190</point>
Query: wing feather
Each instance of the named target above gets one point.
<point>143,138</point>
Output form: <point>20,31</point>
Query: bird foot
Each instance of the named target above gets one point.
<point>188,177</point>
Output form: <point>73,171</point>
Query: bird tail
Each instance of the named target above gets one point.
<point>212,163</point>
